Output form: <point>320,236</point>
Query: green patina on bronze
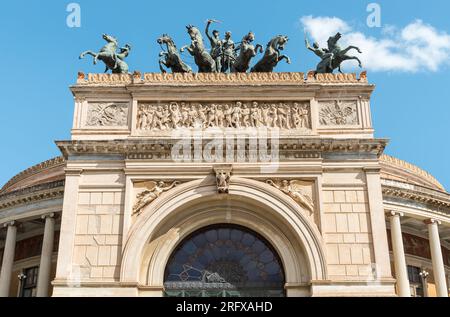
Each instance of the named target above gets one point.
<point>108,54</point>
<point>224,55</point>
<point>171,58</point>
<point>332,56</point>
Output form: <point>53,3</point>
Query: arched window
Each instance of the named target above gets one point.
<point>224,260</point>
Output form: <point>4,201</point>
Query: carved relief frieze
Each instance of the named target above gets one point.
<point>338,113</point>
<point>108,114</point>
<point>236,115</point>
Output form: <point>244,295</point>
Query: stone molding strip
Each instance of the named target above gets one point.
<point>32,194</point>
<point>417,193</point>
<point>220,78</point>
<point>161,149</point>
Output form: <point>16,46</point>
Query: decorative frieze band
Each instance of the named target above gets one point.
<point>156,149</point>
<point>32,194</point>
<point>419,194</point>
<point>238,115</point>
<point>219,78</point>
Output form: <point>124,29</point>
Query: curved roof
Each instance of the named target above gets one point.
<point>45,172</point>
<point>398,170</point>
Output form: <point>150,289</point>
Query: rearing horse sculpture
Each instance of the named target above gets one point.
<point>332,56</point>
<point>247,52</point>
<point>172,58</point>
<point>108,55</point>
<point>339,54</point>
<point>272,55</point>
<point>203,59</point>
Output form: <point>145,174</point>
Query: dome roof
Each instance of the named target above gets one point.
<point>45,172</point>
<point>395,169</point>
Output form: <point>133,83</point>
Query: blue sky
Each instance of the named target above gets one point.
<point>40,61</point>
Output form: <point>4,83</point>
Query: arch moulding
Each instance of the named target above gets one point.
<point>191,206</point>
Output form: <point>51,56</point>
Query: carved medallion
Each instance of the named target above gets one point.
<point>338,113</point>
<point>107,115</point>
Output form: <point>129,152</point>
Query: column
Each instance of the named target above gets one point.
<point>46,256</point>
<point>436,258</point>
<point>8,259</point>
<point>424,275</point>
<point>401,272</point>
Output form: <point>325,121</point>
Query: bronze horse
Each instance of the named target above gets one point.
<point>108,55</point>
<point>247,52</point>
<point>171,58</point>
<point>339,55</point>
<point>203,59</point>
<point>272,55</point>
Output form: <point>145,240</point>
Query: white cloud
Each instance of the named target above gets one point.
<point>416,47</point>
<point>320,28</point>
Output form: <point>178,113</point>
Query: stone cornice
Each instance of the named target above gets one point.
<point>33,170</point>
<point>416,193</point>
<point>160,149</point>
<point>32,194</point>
<point>295,78</point>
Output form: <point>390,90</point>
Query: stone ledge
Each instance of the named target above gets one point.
<point>161,149</point>
<point>221,78</point>
<point>32,194</point>
<point>417,193</point>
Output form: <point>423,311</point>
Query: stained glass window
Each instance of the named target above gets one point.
<point>224,260</point>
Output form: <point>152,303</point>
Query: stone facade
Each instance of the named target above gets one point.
<point>148,165</point>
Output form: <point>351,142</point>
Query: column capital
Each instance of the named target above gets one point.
<point>9,224</point>
<point>50,215</point>
<point>432,221</point>
<point>393,213</point>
